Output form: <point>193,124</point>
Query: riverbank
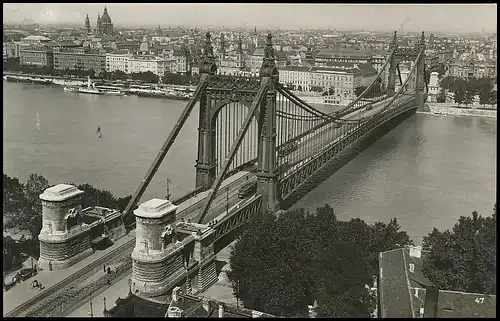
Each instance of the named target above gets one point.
<point>449,109</point>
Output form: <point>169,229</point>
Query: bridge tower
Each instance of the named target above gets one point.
<point>408,54</point>
<point>420,85</point>
<point>206,165</point>
<point>155,249</point>
<point>391,83</point>
<point>267,172</point>
<point>64,240</point>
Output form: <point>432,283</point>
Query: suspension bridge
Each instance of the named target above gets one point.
<point>258,127</point>
<point>253,132</point>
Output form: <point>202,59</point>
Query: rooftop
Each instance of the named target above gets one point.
<point>402,289</point>
<point>181,305</point>
<point>60,193</point>
<point>36,38</point>
<point>155,208</point>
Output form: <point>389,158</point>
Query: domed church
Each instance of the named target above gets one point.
<point>104,24</point>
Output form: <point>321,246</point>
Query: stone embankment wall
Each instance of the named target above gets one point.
<point>451,109</point>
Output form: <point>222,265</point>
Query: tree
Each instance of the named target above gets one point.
<point>359,90</point>
<point>122,202</point>
<point>11,254</point>
<point>278,291</point>
<point>14,199</point>
<point>340,297</point>
<point>318,89</point>
<point>299,88</point>
<point>463,259</point>
<point>441,70</point>
<point>92,196</point>
<point>459,95</point>
<point>282,265</point>
<point>441,97</point>
<point>35,186</point>
<point>448,83</point>
<point>427,76</point>
<point>493,97</point>
<point>468,97</point>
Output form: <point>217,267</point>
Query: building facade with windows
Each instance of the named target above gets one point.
<point>80,59</point>
<point>36,56</point>
<point>118,60</point>
<point>293,77</point>
<point>147,63</point>
<point>11,49</point>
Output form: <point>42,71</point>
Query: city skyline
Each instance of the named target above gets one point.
<point>428,17</point>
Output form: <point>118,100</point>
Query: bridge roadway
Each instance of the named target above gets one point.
<point>316,142</point>
<point>295,158</point>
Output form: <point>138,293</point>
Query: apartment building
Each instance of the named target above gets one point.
<point>147,63</point>
<point>342,78</point>
<point>36,56</point>
<point>80,59</point>
<point>118,60</point>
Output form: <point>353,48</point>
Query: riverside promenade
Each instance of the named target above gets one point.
<point>22,292</point>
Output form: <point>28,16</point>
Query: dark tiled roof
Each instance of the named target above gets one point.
<point>367,69</point>
<point>335,64</point>
<point>296,68</point>
<point>342,52</point>
<point>397,280</point>
<point>452,304</point>
<point>393,287</point>
<point>134,306</point>
<point>330,69</point>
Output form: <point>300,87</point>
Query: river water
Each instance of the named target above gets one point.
<point>426,172</point>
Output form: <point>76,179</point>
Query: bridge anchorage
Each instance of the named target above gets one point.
<point>256,125</point>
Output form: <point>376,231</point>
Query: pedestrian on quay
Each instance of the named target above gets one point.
<point>104,267</point>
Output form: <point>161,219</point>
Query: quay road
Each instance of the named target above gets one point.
<point>65,289</point>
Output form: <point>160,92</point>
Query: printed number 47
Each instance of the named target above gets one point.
<point>479,300</point>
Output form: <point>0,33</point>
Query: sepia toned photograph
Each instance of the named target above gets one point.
<point>249,160</point>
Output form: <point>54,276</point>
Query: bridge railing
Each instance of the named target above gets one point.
<point>295,177</point>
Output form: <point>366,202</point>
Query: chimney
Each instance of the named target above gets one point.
<point>431,302</point>
<point>221,310</point>
<point>416,251</point>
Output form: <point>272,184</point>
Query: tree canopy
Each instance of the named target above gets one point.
<point>23,206</point>
<point>282,265</point>
<point>464,259</point>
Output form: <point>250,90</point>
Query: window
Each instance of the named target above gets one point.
<point>412,268</point>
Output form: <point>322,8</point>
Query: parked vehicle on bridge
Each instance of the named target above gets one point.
<point>247,189</point>
<point>287,148</point>
<point>369,107</point>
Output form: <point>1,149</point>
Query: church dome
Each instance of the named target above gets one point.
<point>105,17</point>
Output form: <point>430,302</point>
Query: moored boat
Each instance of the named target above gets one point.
<point>100,90</point>
<point>70,88</point>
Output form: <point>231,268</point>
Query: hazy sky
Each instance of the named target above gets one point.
<point>448,18</point>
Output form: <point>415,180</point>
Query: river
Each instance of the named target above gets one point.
<point>426,172</point>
